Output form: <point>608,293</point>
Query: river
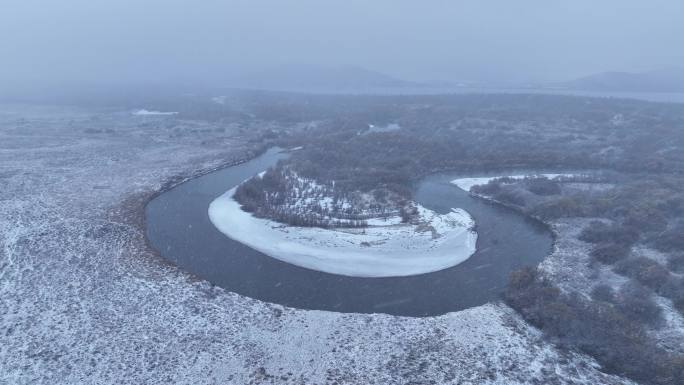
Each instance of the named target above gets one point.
<point>178,227</point>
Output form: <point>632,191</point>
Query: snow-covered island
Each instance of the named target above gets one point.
<point>381,247</point>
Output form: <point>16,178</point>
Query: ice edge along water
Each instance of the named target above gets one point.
<point>383,249</point>
<point>145,112</point>
<point>467,183</point>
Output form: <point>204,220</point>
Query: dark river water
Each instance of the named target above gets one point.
<point>178,227</point>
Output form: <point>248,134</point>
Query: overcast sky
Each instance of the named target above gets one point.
<point>185,41</point>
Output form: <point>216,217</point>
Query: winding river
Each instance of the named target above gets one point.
<point>178,226</point>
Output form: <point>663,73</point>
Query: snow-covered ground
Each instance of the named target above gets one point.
<point>571,269</point>
<point>219,99</point>
<point>84,300</point>
<point>144,112</point>
<point>467,183</point>
<point>385,248</point>
<point>387,128</point>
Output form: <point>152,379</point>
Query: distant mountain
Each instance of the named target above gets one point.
<point>667,80</point>
<point>311,78</point>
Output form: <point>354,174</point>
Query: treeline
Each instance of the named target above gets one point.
<point>613,246</point>
<point>604,327</point>
<point>637,210</point>
<point>611,325</point>
<point>489,132</point>
<point>508,132</point>
<point>282,195</point>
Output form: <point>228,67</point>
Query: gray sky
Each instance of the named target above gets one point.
<point>209,40</point>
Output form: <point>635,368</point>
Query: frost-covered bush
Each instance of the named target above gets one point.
<point>609,253</point>
<point>611,332</point>
<point>674,289</point>
<point>676,262</point>
<point>603,293</point>
<point>562,207</point>
<point>600,232</point>
<point>646,271</point>
<point>637,303</point>
<point>645,219</point>
<point>671,239</point>
<point>511,197</point>
<point>489,189</point>
<point>543,186</point>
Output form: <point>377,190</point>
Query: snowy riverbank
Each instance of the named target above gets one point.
<point>85,300</point>
<point>467,183</point>
<point>145,112</point>
<point>383,249</point>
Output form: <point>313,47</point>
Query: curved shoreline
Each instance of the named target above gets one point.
<point>549,226</point>
<point>468,183</point>
<point>179,230</point>
<point>375,251</point>
<point>176,181</point>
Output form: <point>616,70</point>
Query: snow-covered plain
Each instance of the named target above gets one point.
<point>84,300</point>
<point>385,248</point>
<point>145,112</point>
<point>467,183</point>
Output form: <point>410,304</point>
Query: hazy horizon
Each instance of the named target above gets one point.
<point>218,42</point>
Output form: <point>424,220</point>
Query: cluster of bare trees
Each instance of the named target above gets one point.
<point>281,194</point>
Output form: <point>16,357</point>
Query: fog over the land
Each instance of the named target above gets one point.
<point>214,42</point>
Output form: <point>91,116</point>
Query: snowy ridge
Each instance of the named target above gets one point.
<point>386,248</point>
